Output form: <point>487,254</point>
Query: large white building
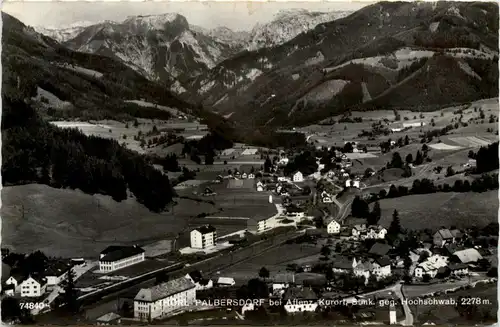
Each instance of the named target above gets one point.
<point>33,287</point>
<point>203,237</point>
<point>298,177</point>
<point>162,299</point>
<point>333,227</point>
<point>118,257</point>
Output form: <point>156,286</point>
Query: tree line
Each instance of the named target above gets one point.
<point>35,151</point>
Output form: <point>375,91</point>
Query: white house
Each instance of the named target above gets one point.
<point>297,300</point>
<point>12,281</point>
<point>162,299</point>
<point>260,186</point>
<point>203,237</point>
<point>381,267</point>
<point>348,183</point>
<point>298,177</point>
<point>283,161</point>
<point>57,272</point>
<point>117,257</point>
<point>32,287</point>
<point>333,227</point>
<point>244,175</point>
<point>376,232</point>
<point>251,176</point>
<point>283,281</point>
<point>282,179</point>
<point>327,199</point>
<point>430,266</point>
<point>225,281</point>
<point>200,282</point>
<point>355,184</point>
<point>362,268</point>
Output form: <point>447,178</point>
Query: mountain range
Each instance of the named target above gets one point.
<point>302,67</point>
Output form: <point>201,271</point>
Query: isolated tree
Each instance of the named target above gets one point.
<point>419,159</point>
<point>70,293</point>
<point>268,165</point>
<point>209,158</point>
<point>449,171</point>
<point>409,158</point>
<point>348,148</point>
<point>325,251</point>
<point>263,273</point>
<point>375,215</point>
<point>338,248</point>
<point>395,227</point>
<point>396,161</point>
<point>407,140</point>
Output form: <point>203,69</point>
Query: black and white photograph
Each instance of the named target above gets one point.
<point>240,163</point>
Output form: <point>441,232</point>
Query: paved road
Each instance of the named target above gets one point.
<point>398,290</point>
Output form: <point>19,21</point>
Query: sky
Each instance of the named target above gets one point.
<point>236,15</point>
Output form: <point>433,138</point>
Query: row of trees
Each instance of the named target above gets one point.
<point>35,151</point>
<point>427,186</point>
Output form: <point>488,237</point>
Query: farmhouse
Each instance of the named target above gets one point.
<point>298,177</point>
<point>430,266</point>
<point>342,266</point>
<point>333,227</point>
<point>110,318</point>
<point>459,269</point>
<point>382,267</point>
<point>201,283</point>
<point>375,232</point>
<point>467,256</point>
<point>244,176</point>
<point>260,186</point>
<point>57,272</point>
<point>203,237</point>
<point>33,287</point>
<point>443,237</point>
<point>251,176</point>
<point>282,281</point>
<point>225,281</point>
<point>300,300</point>
<point>155,302</point>
<point>117,257</point>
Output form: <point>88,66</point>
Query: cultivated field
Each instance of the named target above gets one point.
<point>442,209</point>
<point>273,260</point>
<point>125,132</point>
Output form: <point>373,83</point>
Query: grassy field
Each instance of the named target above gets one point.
<point>448,314</point>
<point>442,209</point>
<point>274,260</point>
<point>69,223</point>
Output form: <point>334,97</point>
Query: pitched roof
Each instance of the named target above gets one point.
<point>115,253</point>
<point>468,255</point>
<point>445,233</point>
<point>456,233</point>
<point>206,229</point>
<point>380,249</point>
<point>109,317</point>
<point>296,293</point>
<point>342,264</point>
<point>383,261</point>
<point>164,290</point>
<point>57,268</point>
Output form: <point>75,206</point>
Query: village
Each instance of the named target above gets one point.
<point>357,262</point>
